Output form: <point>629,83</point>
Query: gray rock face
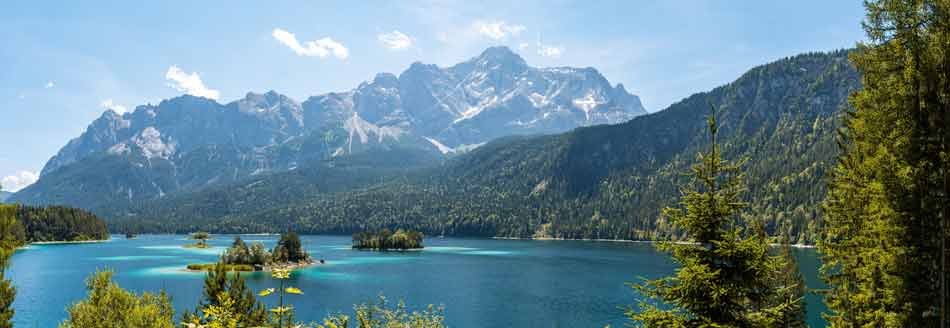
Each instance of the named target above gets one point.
<point>188,142</point>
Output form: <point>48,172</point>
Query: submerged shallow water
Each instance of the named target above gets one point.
<point>481,282</point>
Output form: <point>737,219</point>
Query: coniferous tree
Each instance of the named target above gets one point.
<point>726,274</point>
<point>289,249</point>
<point>884,243</point>
<point>242,304</point>
<point>791,284</point>
<point>8,245</point>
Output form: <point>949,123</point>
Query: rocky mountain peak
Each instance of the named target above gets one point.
<point>190,142</point>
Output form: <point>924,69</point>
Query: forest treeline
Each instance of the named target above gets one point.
<point>54,223</point>
<point>59,223</point>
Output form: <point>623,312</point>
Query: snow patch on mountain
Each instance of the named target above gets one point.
<point>150,142</point>
<point>445,150</point>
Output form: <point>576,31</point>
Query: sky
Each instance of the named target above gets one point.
<point>62,63</point>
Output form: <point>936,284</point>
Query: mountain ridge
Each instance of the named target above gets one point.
<point>188,143</point>
<point>606,181</point>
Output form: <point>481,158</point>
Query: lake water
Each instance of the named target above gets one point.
<point>481,282</point>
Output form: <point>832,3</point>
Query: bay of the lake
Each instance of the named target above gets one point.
<point>481,282</point>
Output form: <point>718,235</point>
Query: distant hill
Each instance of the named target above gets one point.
<point>4,195</point>
<point>189,143</point>
<point>607,181</point>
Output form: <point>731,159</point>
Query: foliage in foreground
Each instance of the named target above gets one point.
<point>888,208</point>
<point>380,314</point>
<point>227,295</point>
<point>108,306</point>
<point>8,244</point>
<point>727,274</point>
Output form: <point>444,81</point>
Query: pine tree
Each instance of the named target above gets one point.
<point>726,274</point>
<point>791,284</point>
<point>884,243</point>
<point>242,303</point>
<point>8,245</point>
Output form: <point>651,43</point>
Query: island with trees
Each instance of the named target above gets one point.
<point>385,240</point>
<point>200,238</point>
<point>288,254</point>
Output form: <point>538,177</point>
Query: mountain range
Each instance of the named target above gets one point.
<point>418,119</point>
<point>596,182</point>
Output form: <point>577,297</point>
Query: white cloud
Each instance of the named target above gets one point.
<point>550,51</point>
<point>49,85</point>
<point>523,46</point>
<point>18,181</point>
<point>498,30</point>
<point>189,83</point>
<point>318,48</point>
<point>108,104</point>
<point>395,40</point>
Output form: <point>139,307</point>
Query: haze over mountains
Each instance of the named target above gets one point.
<point>419,117</point>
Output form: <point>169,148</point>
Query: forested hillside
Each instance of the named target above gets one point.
<point>604,181</point>
<point>58,223</point>
<point>54,223</point>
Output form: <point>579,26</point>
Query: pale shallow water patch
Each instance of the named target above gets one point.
<point>490,252</point>
<point>448,249</point>
<point>326,275</point>
<point>357,260</point>
<point>166,271</point>
<point>213,250</point>
<point>136,258</point>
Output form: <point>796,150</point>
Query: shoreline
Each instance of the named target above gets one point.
<point>266,268</point>
<point>62,242</point>
<point>56,242</point>
<point>803,246</point>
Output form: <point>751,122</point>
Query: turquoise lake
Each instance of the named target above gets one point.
<point>481,282</point>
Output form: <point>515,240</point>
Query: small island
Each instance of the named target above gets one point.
<point>385,240</point>
<point>287,254</point>
<point>201,240</point>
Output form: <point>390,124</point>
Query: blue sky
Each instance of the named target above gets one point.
<point>63,62</point>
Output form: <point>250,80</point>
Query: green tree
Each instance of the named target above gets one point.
<point>726,274</point>
<point>8,244</point>
<point>885,240</point>
<point>108,306</point>
<point>229,293</point>
<point>790,284</point>
<point>381,315</point>
<point>289,249</point>
<point>202,238</point>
